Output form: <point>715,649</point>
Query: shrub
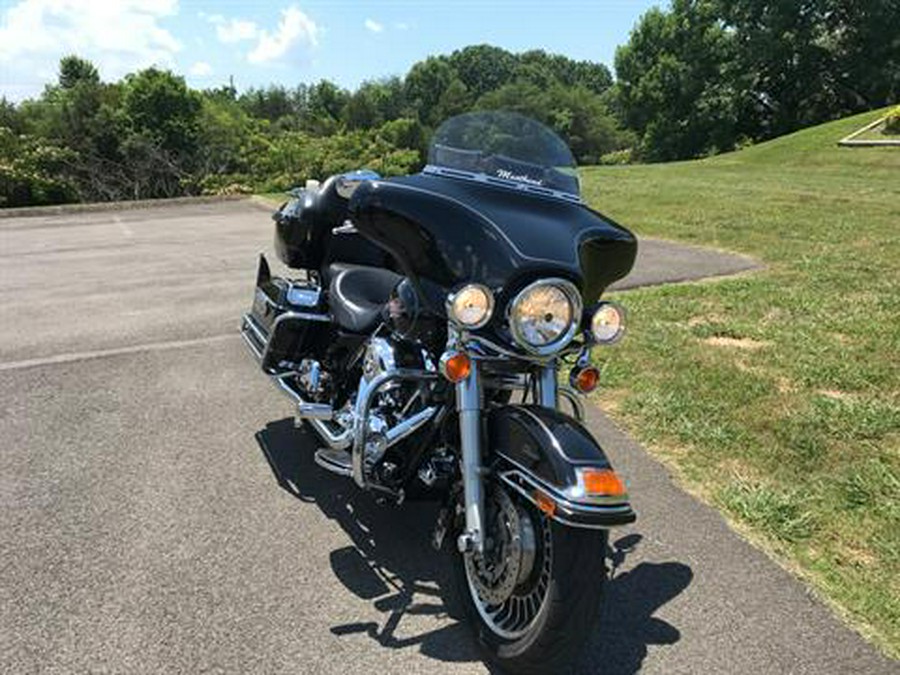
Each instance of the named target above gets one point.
<point>226,184</point>
<point>34,171</point>
<point>625,156</point>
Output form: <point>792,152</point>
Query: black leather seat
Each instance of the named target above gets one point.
<point>358,294</point>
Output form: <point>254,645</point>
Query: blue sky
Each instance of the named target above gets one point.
<point>280,41</point>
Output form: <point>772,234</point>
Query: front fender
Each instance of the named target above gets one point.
<point>539,450</point>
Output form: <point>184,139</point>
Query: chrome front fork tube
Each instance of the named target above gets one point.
<point>548,387</point>
<point>468,404</point>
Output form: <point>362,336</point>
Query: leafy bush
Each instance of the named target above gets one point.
<point>226,184</point>
<point>34,172</point>
<point>618,157</point>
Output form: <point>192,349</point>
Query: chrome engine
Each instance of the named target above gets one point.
<point>312,379</point>
<point>388,405</point>
<point>387,408</point>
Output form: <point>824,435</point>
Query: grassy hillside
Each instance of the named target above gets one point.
<point>776,396</point>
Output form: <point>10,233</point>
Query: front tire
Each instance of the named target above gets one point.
<point>544,622</point>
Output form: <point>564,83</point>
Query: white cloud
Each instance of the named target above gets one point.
<point>294,30</point>
<point>201,69</point>
<point>374,26</point>
<point>401,25</point>
<point>119,36</point>
<point>237,30</point>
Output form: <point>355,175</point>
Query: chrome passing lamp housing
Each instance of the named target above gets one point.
<point>471,306</point>
<point>544,317</point>
<point>607,323</point>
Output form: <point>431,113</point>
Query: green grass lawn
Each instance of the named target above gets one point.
<point>776,395</point>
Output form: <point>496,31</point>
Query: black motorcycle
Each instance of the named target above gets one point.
<point>423,342</point>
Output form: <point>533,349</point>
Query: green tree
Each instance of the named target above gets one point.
<point>543,69</point>
<point>676,86</point>
<point>74,70</point>
<point>483,68</point>
<point>390,98</point>
<point>865,38</point>
<point>455,100</point>
<point>426,83</point>
<point>161,108</point>
<point>805,63</point>
<point>9,116</point>
<point>160,142</point>
<point>271,103</point>
<point>321,107</point>
<point>361,110</point>
<point>578,115</point>
<point>376,102</point>
<point>594,77</point>
<point>225,139</point>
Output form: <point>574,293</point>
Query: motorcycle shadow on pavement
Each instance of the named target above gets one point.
<point>391,563</point>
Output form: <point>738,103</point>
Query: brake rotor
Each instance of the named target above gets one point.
<point>510,548</point>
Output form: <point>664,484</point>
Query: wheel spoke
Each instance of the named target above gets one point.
<point>515,613</point>
<point>520,542</point>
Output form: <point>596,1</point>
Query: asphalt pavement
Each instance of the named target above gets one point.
<point>160,513</point>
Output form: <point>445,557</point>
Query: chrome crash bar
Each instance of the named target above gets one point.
<point>364,399</point>
<point>321,416</point>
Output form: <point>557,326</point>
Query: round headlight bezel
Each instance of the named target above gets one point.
<point>596,311</point>
<point>458,294</point>
<point>575,303</point>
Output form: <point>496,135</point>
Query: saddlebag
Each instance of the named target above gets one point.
<point>283,319</point>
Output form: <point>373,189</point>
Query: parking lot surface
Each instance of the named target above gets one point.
<point>160,513</point>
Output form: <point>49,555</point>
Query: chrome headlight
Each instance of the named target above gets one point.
<point>471,306</point>
<point>544,316</point>
<point>607,323</point>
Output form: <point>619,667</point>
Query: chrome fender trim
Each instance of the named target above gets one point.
<point>569,513</point>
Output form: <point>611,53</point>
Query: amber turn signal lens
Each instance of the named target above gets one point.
<point>455,366</point>
<point>603,483</point>
<point>544,503</point>
<point>585,379</point>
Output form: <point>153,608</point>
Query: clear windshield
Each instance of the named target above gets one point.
<point>507,148</point>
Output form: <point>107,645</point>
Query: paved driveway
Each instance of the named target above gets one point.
<point>158,512</point>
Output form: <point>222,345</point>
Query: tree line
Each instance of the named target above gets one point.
<point>150,135</point>
<point>706,76</point>
<point>701,77</point>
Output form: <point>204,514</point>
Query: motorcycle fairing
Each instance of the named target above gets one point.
<point>543,447</point>
<point>450,231</point>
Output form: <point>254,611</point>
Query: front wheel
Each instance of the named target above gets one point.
<point>534,594</point>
